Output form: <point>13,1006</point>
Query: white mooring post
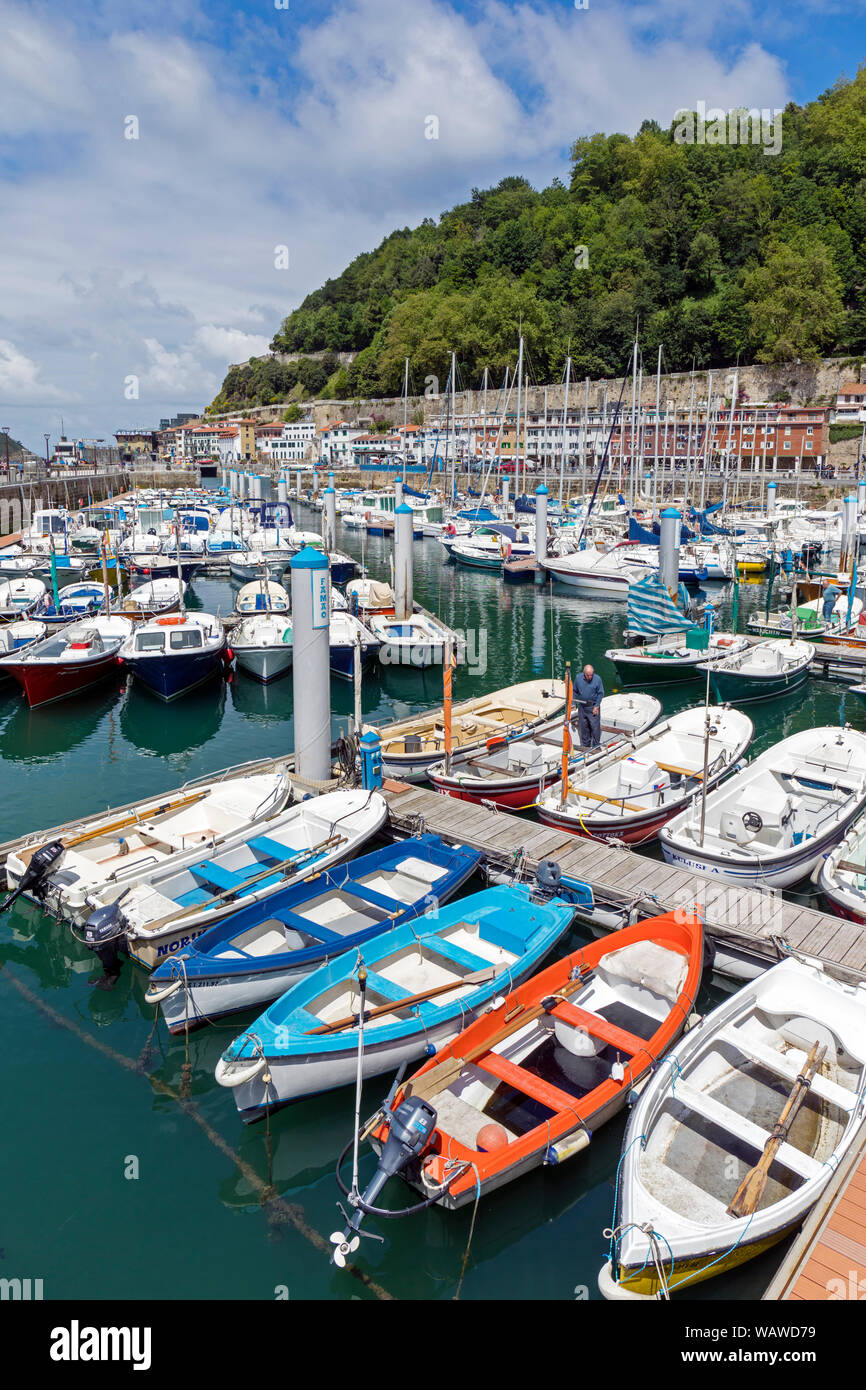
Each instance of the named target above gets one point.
<point>311,664</point>
<point>669,549</point>
<point>403,560</point>
<point>540,523</point>
<point>329,519</point>
<point>771,499</point>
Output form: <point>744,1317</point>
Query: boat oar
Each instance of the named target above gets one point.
<point>751,1189</point>
<point>124,822</point>
<point>298,862</point>
<point>477,977</point>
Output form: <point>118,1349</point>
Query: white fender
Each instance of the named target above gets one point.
<point>615,1293</point>
<point>231,1074</point>
<point>156,996</point>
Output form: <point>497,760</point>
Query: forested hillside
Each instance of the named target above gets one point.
<point>718,250</point>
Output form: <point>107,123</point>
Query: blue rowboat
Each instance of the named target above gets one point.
<point>258,953</point>
<point>475,948</point>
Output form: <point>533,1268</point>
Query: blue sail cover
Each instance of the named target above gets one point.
<point>707,528</point>
<point>413,492</point>
<point>652,610</point>
<point>478,514</point>
<point>636,532</point>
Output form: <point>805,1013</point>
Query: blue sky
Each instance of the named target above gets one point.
<point>152,261</point>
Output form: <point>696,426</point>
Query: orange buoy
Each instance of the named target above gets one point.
<point>490,1137</point>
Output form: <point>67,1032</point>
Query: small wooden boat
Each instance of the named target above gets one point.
<point>170,907</point>
<point>630,796</point>
<point>308,1040</point>
<point>673,658</point>
<point>262,596</point>
<point>75,601</point>
<point>415,642</point>
<point>262,645</point>
<point>147,565</point>
<point>105,854</point>
<point>256,954</point>
<point>152,600</point>
<point>176,653</point>
<point>842,875</point>
<point>760,672</point>
<point>531,1081</point>
<point>254,565</point>
<point>70,661</point>
<point>810,620</point>
<point>737,1135</point>
<point>773,821</point>
<point>410,746</point>
<point>512,772</point>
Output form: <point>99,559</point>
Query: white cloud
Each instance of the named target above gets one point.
<point>155,256</point>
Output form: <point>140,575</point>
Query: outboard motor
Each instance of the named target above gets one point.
<point>409,1129</point>
<point>106,938</point>
<point>36,872</point>
<point>548,876</point>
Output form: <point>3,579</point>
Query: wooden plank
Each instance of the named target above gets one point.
<point>847,936</point>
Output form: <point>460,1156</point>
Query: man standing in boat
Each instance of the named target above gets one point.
<point>589,693</point>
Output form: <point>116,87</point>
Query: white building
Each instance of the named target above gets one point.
<point>287,443</point>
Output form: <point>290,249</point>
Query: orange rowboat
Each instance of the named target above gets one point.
<point>530,1081</point>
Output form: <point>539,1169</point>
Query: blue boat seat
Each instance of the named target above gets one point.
<point>272,849</point>
<point>369,895</point>
<point>385,987</point>
<point>215,875</point>
<point>295,922</point>
<point>443,947</point>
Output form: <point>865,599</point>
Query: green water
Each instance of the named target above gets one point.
<point>191,1224</point>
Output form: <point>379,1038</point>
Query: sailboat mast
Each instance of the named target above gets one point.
<point>517,424</point>
<point>564,432</point>
<point>631,431</point>
<point>405,420</point>
<point>658,427</point>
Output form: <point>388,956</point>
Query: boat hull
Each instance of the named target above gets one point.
<point>43,684</point>
<point>647,671</point>
<point>732,687</point>
<point>173,676</point>
<point>265,663</point>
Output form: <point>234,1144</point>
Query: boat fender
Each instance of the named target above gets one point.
<point>693,1021</point>
<point>569,1146</point>
<point>237,1076</point>
<point>156,996</point>
<point>615,1293</point>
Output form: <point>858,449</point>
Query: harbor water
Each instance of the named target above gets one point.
<point>115,1185</point>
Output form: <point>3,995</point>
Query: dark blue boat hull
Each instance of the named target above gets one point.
<point>169,677</point>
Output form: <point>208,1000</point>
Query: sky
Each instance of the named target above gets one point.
<point>174,178</point>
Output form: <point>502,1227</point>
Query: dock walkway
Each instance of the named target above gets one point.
<point>827,1261</point>
<point>760,923</point>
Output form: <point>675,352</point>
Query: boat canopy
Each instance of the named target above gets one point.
<point>652,610</point>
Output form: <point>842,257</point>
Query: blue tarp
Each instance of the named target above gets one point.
<point>636,532</point>
<point>652,610</point>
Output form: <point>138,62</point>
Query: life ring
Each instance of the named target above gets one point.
<point>174,620</point>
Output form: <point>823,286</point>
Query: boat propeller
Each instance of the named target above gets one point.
<point>36,872</point>
<point>410,1127</point>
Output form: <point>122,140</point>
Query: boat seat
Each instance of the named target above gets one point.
<point>462,1121</point>
<point>388,990</point>
<point>522,1080</point>
<point>742,1127</point>
<point>272,849</point>
<point>774,1061</point>
<point>600,1028</point>
<point>466,959</point>
<point>369,895</point>
<point>216,876</point>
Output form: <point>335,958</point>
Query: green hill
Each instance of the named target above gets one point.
<point>718,250</point>
<point>16,449</point>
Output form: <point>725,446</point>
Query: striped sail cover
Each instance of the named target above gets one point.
<point>651,608</point>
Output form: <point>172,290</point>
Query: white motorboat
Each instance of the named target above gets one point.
<point>262,644</point>
<point>262,596</point>
<point>595,573</point>
<point>247,565</point>
<point>842,875</point>
<point>776,819</point>
<point>21,597</point>
<point>770,1085</point>
<point>415,642</point>
<point>103,855</point>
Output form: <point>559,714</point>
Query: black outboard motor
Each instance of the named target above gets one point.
<point>410,1128</point>
<point>36,872</point>
<point>106,938</point>
<point>548,876</point>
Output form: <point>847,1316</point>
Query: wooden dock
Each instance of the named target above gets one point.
<point>756,922</point>
<point>827,1261</point>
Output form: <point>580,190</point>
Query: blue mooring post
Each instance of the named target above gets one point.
<point>371,760</point>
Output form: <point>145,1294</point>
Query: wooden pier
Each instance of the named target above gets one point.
<point>827,1261</point>
<point>752,922</point>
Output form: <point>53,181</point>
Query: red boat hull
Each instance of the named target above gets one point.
<point>514,796</point>
<point>647,829</point>
<point>43,684</point>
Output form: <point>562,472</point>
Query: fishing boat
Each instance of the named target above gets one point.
<point>248,565</point>
<point>152,600</point>
<point>630,796</point>
<point>368,596</point>
<point>673,657</point>
<point>262,645</point>
<point>415,642</point>
<point>531,1081</point>
<point>262,596</point>
<point>74,601</point>
<point>347,637</point>
<point>809,619</point>
<point>760,672</point>
<point>512,772</point>
<point>103,855</point>
<point>16,635</point>
<point>342,567</point>
<point>842,875</point>
<point>594,573</point>
<point>143,566</point>
<point>463,953</point>
<point>172,906</point>
<point>256,954</point>
<point>174,654</point>
<point>70,661</point>
<point>410,746</point>
<point>773,821</point>
<point>734,1139</point>
<point>20,598</point>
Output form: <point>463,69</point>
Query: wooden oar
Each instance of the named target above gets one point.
<point>440,1076</point>
<point>478,977</point>
<point>297,860</point>
<point>848,867</point>
<point>751,1189</point>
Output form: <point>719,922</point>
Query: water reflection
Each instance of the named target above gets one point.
<point>164,730</point>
